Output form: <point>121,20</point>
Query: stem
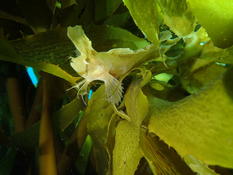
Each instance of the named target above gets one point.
<point>47,158</point>
<point>16,103</point>
<point>35,112</point>
<point>120,113</point>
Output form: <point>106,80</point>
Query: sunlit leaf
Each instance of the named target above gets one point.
<point>177,16</point>
<point>127,153</point>
<point>198,167</point>
<point>199,124</point>
<point>194,44</point>
<point>136,103</point>
<point>149,15</point>
<point>146,16</point>
<point>216,17</point>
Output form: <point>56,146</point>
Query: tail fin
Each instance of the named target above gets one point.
<point>113,89</point>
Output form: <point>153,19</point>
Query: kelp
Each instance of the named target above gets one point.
<point>153,91</point>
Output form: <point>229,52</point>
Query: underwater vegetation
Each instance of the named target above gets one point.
<point>118,87</point>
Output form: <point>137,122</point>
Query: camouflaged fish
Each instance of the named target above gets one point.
<point>107,67</point>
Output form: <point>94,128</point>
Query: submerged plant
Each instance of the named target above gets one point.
<point>164,105</point>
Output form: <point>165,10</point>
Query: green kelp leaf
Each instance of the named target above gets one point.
<point>51,57</point>
<point>177,16</point>
<point>146,15</point>
<point>136,103</point>
<point>144,74</point>
<point>202,72</point>
<point>211,53</point>
<point>50,47</point>
<point>82,161</point>
<point>199,125</point>
<point>212,62</point>
<point>149,15</point>
<point>161,158</point>
<point>127,153</point>
<point>198,167</point>
<point>106,37</point>
<point>68,113</point>
<point>99,113</point>
<point>194,43</point>
<point>217,18</point>
<point>105,8</point>
<point>118,19</point>
<point>227,56</point>
<point>173,7</point>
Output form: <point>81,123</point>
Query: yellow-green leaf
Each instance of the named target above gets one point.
<point>161,158</point>
<point>177,16</point>
<point>197,166</point>
<point>146,16</point>
<point>200,125</point>
<point>39,51</point>
<point>127,152</point>
<point>98,114</point>
<point>136,103</point>
<point>149,15</point>
<point>68,113</point>
<point>217,18</point>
